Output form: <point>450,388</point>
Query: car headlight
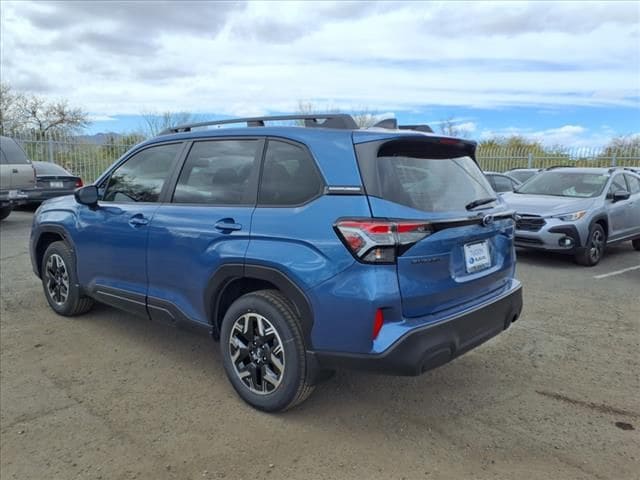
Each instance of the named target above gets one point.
<point>571,217</point>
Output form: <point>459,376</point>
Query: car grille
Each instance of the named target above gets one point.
<point>530,223</point>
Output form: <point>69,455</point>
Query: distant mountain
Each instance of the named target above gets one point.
<point>99,138</point>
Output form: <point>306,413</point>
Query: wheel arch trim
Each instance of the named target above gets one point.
<point>228,273</point>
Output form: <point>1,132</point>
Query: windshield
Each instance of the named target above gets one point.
<point>565,184</point>
<point>522,175</point>
<point>432,185</point>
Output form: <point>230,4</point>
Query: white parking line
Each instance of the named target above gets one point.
<point>617,272</point>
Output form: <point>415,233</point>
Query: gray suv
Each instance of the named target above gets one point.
<point>578,211</point>
<point>16,175</point>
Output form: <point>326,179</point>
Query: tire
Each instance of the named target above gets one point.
<point>5,212</point>
<point>593,252</point>
<point>269,311</point>
<point>58,272</point>
<point>636,244</point>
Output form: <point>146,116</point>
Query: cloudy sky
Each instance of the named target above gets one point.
<point>561,72</point>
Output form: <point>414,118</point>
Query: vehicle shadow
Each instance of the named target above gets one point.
<point>470,383</point>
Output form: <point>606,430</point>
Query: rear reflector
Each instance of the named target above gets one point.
<point>378,241</point>
<point>377,323</point>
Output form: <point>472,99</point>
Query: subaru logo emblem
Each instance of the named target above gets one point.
<point>487,220</point>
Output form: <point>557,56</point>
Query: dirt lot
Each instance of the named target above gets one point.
<point>112,396</point>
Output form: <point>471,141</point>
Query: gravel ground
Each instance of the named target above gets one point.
<point>112,396</point>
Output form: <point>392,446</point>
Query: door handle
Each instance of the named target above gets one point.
<point>227,224</point>
<point>15,170</point>
<point>138,220</point>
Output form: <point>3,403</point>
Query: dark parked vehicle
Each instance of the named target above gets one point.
<point>302,249</point>
<point>501,182</point>
<point>52,181</point>
<point>523,174</point>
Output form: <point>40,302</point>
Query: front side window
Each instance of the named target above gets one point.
<point>565,184</point>
<point>617,184</point>
<point>289,176</point>
<point>141,177</point>
<point>219,172</point>
<point>634,183</point>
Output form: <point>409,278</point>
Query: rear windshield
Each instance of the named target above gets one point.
<point>565,184</point>
<point>12,152</point>
<point>45,168</point>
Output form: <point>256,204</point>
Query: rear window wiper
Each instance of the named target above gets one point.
<point>477,203</point>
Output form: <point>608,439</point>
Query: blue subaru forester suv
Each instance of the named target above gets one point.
<point>303,249</point>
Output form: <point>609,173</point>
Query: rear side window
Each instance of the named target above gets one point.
<point>219,172</point>
<point>423,175</point>
<point>289,176</point>
<point>142,176</point>
<point>633,182</point>
<point>13,153</point>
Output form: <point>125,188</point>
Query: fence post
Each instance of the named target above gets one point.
<point>614,160</point>
<point>530,161</point>
<point>50,149</point>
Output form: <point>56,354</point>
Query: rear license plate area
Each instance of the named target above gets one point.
<point>477,256</point>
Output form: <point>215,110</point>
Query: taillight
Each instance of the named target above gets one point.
<point>78,183</point>
<point>380,241</point>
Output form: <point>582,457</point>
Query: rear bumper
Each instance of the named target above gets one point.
<point>433,345</point>
<point>12,197</point>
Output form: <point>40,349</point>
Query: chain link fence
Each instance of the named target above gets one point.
<point>89,156</point>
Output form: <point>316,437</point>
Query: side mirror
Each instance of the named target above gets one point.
<point>620,195</point>
<point>87,195</point>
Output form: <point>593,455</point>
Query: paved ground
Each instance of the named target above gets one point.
<point>112,396</point>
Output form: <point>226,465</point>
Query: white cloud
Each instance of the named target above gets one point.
<point>123,58</point>
<point>468,127</point>
<point>101,118</point>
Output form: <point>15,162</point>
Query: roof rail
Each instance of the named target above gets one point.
<point>331,120</point>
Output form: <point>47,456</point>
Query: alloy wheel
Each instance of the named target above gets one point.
<point>597,244</point>
<point>257,353</point>
<point>57,279</point>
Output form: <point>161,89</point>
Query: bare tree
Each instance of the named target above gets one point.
<point>10,121</point>
<point>448,127</point>
<point>22,111</point>
<point>156,122</point>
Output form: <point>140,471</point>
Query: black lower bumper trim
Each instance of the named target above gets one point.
<point>434,345</point>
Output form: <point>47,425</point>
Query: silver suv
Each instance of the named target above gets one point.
<point>578,211</point>
<point>16,174</point>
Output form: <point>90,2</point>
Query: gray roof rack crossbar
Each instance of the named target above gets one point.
<point>331,120</point>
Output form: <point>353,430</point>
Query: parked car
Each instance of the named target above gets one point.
<point>52,181</point>
<point>16,175</point>
<point>578,211</point>
<point>522,174</point>
<point>501,182</point>
<point>302,249</point>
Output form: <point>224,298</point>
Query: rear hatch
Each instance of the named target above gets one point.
<point>465,252</point>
